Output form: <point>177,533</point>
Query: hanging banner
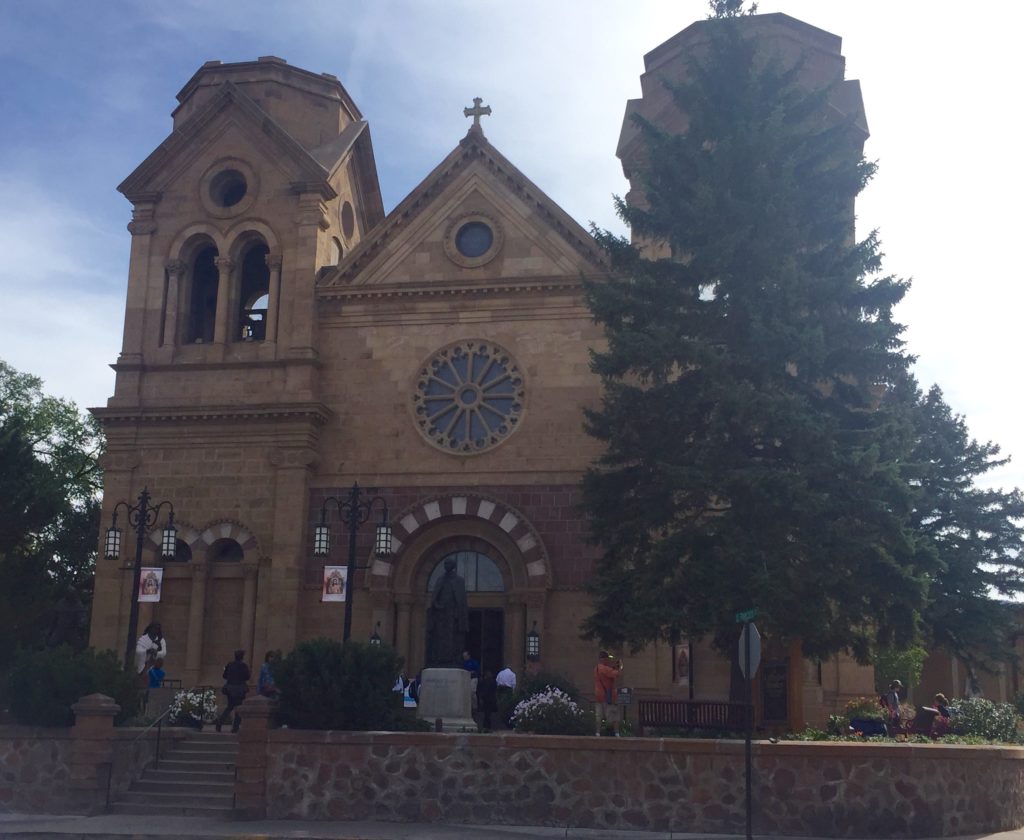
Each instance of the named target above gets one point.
<point>151,583</point>
<point>334,583</point>
<point>681,663</point>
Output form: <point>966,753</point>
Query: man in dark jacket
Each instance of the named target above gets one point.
<point>236,677</point>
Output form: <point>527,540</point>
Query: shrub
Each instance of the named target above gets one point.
<point>550,712</point>
<point>532,684</point>
<point>903,665</point>
<point>325,684</point>
<point>863,708</point>
<point>984,719</point>
<point>43,684</point>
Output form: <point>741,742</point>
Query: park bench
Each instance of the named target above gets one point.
<point>692,714</point>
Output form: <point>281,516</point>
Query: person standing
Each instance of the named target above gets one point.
<point>265,685</point>
<point>150,646</point>
<point>236,678</point>
<point>891,701</point>
<point>506,680</point>
<point>606,691</point>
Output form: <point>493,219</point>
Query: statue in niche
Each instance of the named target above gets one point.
<point>447,620</point>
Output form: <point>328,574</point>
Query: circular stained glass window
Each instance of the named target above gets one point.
<point>474,239</point>
<point>469,397</point>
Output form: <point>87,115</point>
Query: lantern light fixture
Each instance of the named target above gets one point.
<point>533,644</point>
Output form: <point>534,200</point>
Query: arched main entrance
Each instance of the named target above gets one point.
<point>498,554</point>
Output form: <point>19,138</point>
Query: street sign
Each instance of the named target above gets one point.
<point>755,650</point>
<point>625,696</point>
<point>746,615</point>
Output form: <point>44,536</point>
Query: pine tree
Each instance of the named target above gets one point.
<point>750,460</point>
<point>977,534</point>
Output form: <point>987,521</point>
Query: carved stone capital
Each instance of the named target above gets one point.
<point>142,227</point>
<point>224,264</point>
<point>273,262</point>
<point>176,268</point>
<point>250,570</point>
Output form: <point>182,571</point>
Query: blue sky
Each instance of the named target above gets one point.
<point>88,87</point>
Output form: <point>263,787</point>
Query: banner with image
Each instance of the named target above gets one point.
<point>151,584</point>
<point>334,583</point>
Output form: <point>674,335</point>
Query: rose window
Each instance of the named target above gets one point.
<point>469,397</point>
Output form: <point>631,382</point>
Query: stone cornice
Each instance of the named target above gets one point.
<point>203,364</point>
<point>449,288</point>
<point>317,412</point>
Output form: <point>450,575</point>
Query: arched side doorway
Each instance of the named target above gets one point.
<point>504,564</point>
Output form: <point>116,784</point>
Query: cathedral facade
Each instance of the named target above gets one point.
<point>285,339</point>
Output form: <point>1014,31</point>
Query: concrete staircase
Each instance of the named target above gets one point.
<point>195,778</point>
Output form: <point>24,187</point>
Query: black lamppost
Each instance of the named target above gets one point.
<point>354,511</point>
<point>141,517</point>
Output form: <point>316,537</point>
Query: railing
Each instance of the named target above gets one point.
<point>693,714</point>
<point>159,724</point>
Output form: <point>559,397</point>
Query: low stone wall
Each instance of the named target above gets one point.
<point>800,788</point>
<point>73,770</point>
<point>35,766</point>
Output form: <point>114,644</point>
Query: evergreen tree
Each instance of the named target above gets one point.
<point>50,482</point>
<point>749,458</point>
<point>977,534</point>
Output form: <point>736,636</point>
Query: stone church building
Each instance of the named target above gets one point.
<point>286,337</point>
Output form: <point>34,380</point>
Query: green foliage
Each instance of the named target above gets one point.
<point>42,685</point>
<point>49,515</point>
<point>325,684</point>
<point>531,684</point>
<point>982,718</point>
<point>863,708</point>
<point>747,460</point>
<point>976,534</point>
<point>904,665</point>
<point>551,712</point>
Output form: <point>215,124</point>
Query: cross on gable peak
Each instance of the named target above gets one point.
<point>476,112</point>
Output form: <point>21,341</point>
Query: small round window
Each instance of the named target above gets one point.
<point>227,188</point>
<point>474,239</point>
<point>469,397</point>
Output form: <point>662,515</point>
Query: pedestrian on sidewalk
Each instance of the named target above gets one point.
<point>236,678</point>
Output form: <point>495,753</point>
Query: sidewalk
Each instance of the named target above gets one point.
<point>120,826</point>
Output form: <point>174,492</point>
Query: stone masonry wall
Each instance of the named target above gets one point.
<point>35,766</point>
<point>810,789</point>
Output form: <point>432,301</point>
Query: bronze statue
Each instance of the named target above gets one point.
<point>447,620</point>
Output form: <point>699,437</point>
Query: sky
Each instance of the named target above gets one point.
<point>88,87</point>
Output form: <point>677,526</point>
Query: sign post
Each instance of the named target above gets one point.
<point>750,659</point>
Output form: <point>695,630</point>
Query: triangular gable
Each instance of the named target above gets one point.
<point>540,239</point>
<point>183,141</point>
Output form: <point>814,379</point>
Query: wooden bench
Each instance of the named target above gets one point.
<point>692,714</point>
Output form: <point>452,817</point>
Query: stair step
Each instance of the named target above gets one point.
<point>183,786</point>
<point>154,809</point>
<point>177,800</point>
<point>208,746</point>
<point>188,766</point>
<point>202,755</point>
<point>173,774</point>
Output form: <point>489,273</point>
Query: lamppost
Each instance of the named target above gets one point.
<point>354,511</point>
<point>141,517</point>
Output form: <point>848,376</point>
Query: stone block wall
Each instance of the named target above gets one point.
<point>35,766</point>
<point>800,789</point>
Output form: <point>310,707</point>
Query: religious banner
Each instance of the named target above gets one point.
<point>151,582</point>
<point>681,666</point>
<point>334,583</point>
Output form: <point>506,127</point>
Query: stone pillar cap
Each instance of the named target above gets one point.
<point>96,704</point>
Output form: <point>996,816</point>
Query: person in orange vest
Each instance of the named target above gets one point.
<point>606,692</point>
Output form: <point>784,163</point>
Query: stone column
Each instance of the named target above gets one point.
<point>196,616</point>
<point>251,772</point>
<point>92,752</point>
<point>251,572</point>
<point>141,276</point>
<point>225,267</point>
<point>515,644</point>
<point>274,296</point>
<point>175,271</point>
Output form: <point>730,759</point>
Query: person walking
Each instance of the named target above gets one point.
<point>506,680</point>
<point>606,692</point>
<point>265,685</point>
<point>236,678</point>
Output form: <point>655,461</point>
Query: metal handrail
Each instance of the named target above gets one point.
<point>158,723</point>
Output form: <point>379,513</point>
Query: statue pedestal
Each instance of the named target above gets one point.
<point>446,693</point>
